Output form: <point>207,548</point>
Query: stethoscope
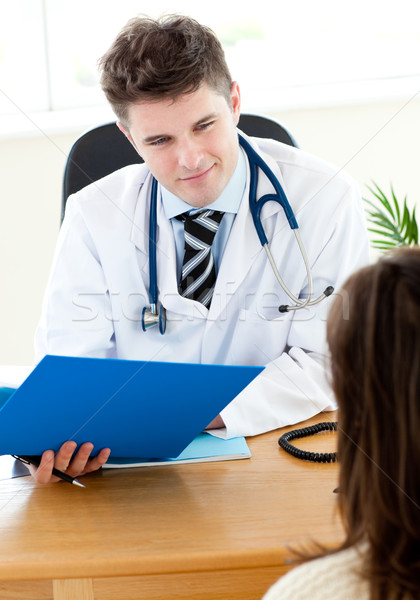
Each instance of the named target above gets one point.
<point>154,315</point>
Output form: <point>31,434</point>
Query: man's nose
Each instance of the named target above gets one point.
<point>189,155</point>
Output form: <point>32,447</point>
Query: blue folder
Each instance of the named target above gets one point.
<point>148,409</point>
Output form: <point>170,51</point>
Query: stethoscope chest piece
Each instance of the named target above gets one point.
<point>151,317</point>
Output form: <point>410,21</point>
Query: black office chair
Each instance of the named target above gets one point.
<point>105,149</point>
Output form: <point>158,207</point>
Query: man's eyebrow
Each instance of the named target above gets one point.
<point>209,117</point>
<point>153,138</point>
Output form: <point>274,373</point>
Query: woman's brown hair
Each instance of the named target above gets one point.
<point>153,59</point>
<point>373,334</point>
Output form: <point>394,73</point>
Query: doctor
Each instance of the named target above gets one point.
<point>168,83</point>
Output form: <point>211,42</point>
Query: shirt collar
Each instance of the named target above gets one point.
<point>228,201</point>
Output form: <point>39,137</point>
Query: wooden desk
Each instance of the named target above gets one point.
<point>199,531</point>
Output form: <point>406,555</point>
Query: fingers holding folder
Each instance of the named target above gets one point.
<point>76,464</point>
<point>68,462</point>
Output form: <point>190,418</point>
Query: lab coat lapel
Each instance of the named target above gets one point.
<point>140,229</point>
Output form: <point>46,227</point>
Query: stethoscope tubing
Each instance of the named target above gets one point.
<point>255,162</point>
<point>153,289</point>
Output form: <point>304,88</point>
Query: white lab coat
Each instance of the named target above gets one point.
<point>100,278</point>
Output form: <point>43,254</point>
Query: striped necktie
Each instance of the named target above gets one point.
<point>198,276</point>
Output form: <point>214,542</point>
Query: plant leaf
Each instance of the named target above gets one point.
<point>391,220</point>
<point>382,199</point>
<point>397,208</point>
<point>415,239</point>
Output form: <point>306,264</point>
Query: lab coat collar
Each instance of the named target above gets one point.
<point>264,186</point>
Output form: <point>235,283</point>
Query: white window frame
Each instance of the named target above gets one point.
<point>265,92</point>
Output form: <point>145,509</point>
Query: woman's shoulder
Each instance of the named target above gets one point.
<point>334,576</point>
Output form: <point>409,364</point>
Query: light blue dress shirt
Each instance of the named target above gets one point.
<point>228,202</point>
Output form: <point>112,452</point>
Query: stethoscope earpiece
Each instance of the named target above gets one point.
<point>327,292</point>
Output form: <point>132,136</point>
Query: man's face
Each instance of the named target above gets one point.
<point>190,144</point>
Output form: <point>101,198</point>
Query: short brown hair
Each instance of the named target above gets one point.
<point>375,364</point>
<point>153,59</point>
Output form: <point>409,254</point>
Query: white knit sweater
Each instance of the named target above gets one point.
<point>330,578</point>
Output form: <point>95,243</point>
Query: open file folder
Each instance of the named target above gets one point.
<point>148,409</point>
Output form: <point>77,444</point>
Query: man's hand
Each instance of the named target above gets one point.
<point>64,461</point>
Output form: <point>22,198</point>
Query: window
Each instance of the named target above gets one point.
<point>23,72</point>
<point>284,54</point>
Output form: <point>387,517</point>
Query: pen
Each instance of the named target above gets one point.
<point>35,460</point>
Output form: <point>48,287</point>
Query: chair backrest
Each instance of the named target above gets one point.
<point>264,127</point>
<point>105,149</point>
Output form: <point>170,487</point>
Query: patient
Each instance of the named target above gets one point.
<point>375,352</point>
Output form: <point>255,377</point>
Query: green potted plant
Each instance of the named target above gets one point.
<point>391,221</point>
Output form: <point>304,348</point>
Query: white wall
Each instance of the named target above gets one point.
<point>373,141</point>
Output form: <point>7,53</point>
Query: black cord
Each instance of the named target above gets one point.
<point>321,457</point>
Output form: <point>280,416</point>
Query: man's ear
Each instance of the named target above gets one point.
<point>235,96</point>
